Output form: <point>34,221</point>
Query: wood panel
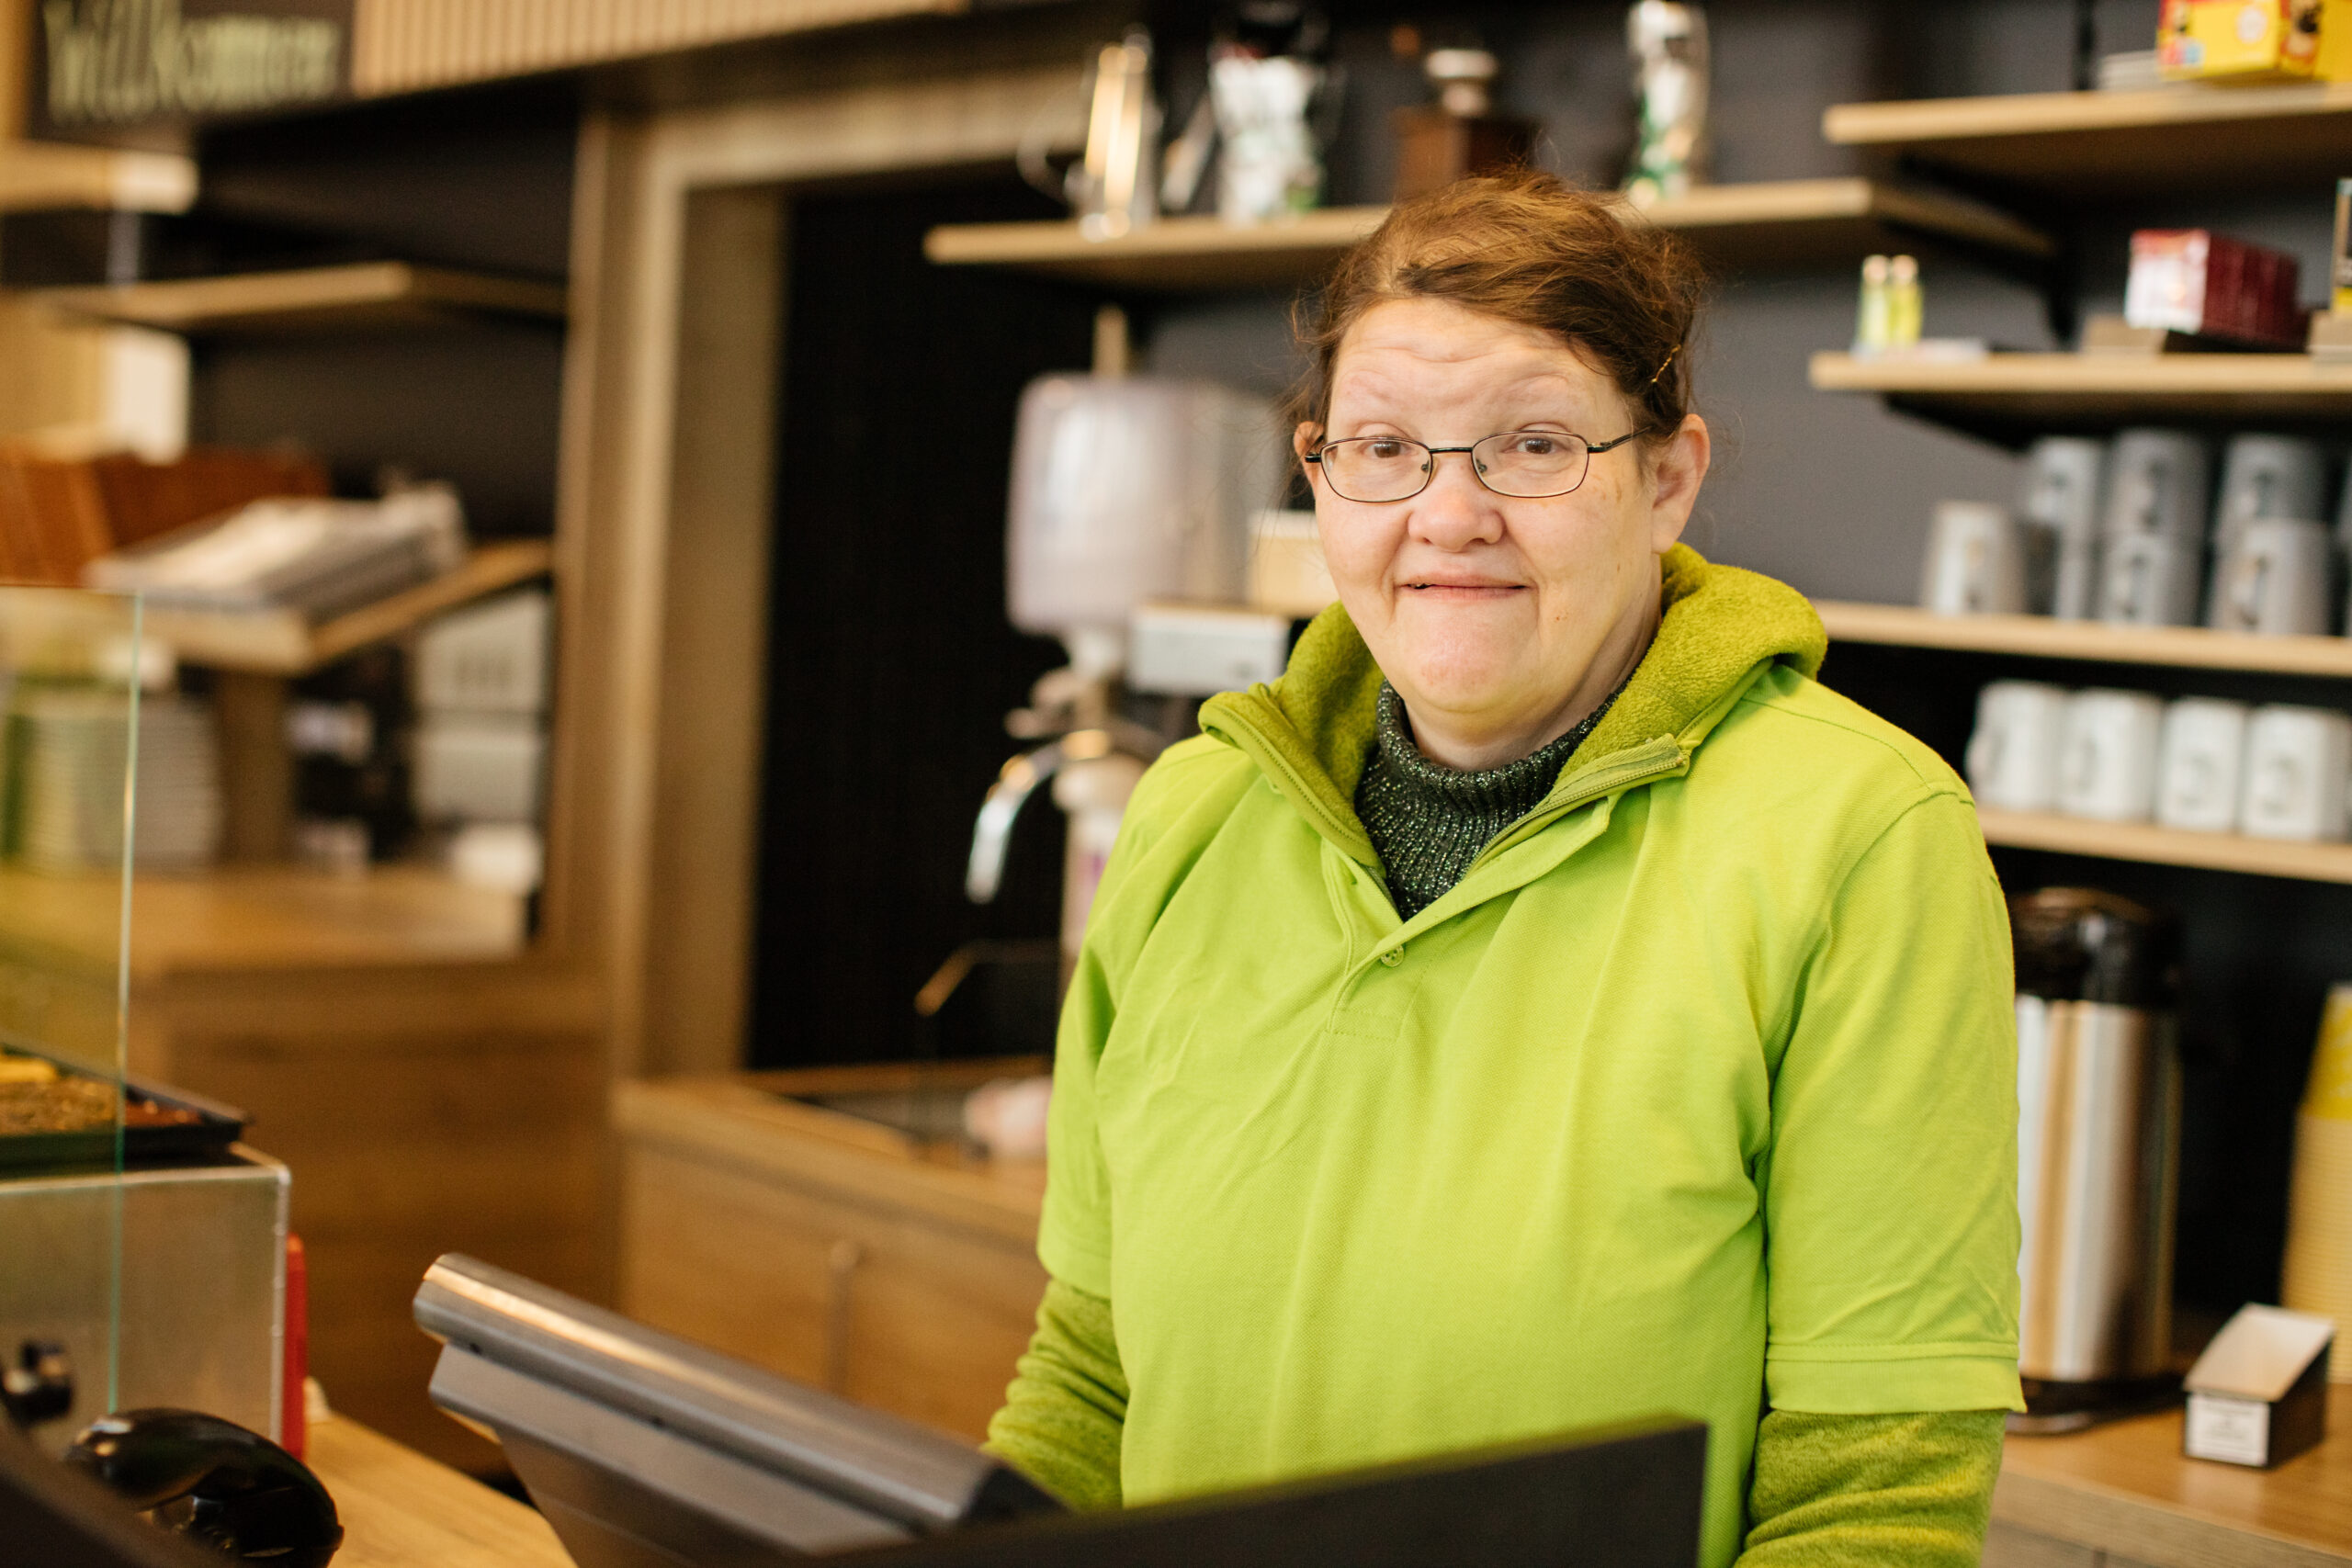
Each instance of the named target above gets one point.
<point>286,642</point>
<point>2167,846</point>
<point>2014,396</point>
<point>721,517</point>
<point>421,1112</point>
<point>624,859</point>
<point>400,46</point>
<point>2043,637</point>
<point>255,919</point>
<point>882,1272</point>
<point>2186,136</point>
<point>1763,223</point>
<point>363,295</point>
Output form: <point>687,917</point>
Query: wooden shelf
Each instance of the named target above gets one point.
<point>2098,145</point>
<point>2300,859</point>
<point>283,642</point>
<point>366,296</point>
<point>246,918</point>
<point>35,175</point>
<point>2041,637</point>
<point>1174,255</point>
<point>1771,223</point>
<point>2014,396</point>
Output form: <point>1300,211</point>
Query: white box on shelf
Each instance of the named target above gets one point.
<point>487,658</point>
<point>479,768</point>
<point>2258,1394</point>
<point>1196,650</point>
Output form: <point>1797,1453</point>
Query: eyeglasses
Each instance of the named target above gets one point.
<point>1528,465</point>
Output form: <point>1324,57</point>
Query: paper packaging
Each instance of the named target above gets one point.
<point>2193,280</point>
<point>2255,41</point>
<point>2340,257</point>
<point>2319,1208</point>
<point>2258,1394</point>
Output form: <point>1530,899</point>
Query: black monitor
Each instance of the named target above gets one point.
<point>646,1452</point>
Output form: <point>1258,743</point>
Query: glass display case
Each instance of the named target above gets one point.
<point>142,1247</point>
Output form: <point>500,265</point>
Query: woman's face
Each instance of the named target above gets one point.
<point>1499,621</point>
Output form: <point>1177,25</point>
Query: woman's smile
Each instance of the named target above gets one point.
<point>1452,587</point>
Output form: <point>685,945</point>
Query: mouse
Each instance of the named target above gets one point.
<point>215,1481</point>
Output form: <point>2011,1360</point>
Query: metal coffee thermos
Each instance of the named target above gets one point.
<point>2099,1140</point>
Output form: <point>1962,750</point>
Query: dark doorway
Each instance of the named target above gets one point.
<point>890,662</point>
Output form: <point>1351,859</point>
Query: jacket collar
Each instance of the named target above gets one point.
<point>1311,731</point>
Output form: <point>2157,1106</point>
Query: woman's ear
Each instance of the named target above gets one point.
<point>1302,441</point>
<point>1677,470</point>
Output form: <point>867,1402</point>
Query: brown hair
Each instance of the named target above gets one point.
<point>1523,246</point>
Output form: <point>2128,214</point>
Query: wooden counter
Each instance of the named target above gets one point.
<point>837,1251</point>
<point>400,1509</point>
<point>433,1086</point>
<point>841,1253</point>
<point>2122,1495</point>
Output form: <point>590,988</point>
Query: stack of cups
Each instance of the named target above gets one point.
<point>2153,548</point>
<point>2272,556</point>
<point>2198,764</point>
<point>2064,487</point>
<point>2319,1210</point>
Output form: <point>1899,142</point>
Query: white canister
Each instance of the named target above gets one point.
<point>2013,753</point>
<point>2298,763</point>
<point>2107,767</point>
<point>1976,561</point>
<point>2200,763</point>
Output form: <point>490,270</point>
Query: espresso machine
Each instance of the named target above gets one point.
<point>1126,490</point>
<point>2098,1145</point>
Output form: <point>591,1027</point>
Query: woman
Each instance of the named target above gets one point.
<point>1545,1004</point>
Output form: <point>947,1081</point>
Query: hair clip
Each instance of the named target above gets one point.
<point>1663,363</point>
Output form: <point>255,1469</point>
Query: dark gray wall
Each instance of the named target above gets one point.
<point>1830,492</point>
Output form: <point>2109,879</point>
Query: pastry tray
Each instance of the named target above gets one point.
<point>208,1137</point>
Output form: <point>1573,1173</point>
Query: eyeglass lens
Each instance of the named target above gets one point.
<point>1523,463</point>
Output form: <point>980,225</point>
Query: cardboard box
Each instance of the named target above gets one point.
<point>2193,280</point>
<point>2255,41</point>
<point>2258,1394</point>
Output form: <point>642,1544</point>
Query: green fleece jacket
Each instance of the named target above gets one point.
<point>1909,1491</point>
<point>1365,1185</point>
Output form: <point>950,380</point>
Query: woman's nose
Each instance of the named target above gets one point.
<point>1456,511</point>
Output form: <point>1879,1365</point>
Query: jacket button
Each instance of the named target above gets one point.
<point>1393,958</point>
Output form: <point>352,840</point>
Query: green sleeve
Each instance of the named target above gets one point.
<point>1890,1186</point>
<point>1873,1491</point>
<point>1067,1406</point>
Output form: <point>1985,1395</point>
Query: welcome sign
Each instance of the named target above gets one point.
<point>103,64</point>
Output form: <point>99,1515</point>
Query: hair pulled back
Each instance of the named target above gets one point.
<point>1578,264</point>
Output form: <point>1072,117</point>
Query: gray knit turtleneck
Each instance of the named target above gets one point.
<point>1428,822</point>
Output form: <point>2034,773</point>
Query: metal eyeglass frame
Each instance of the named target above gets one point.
<point>1477,470</point>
